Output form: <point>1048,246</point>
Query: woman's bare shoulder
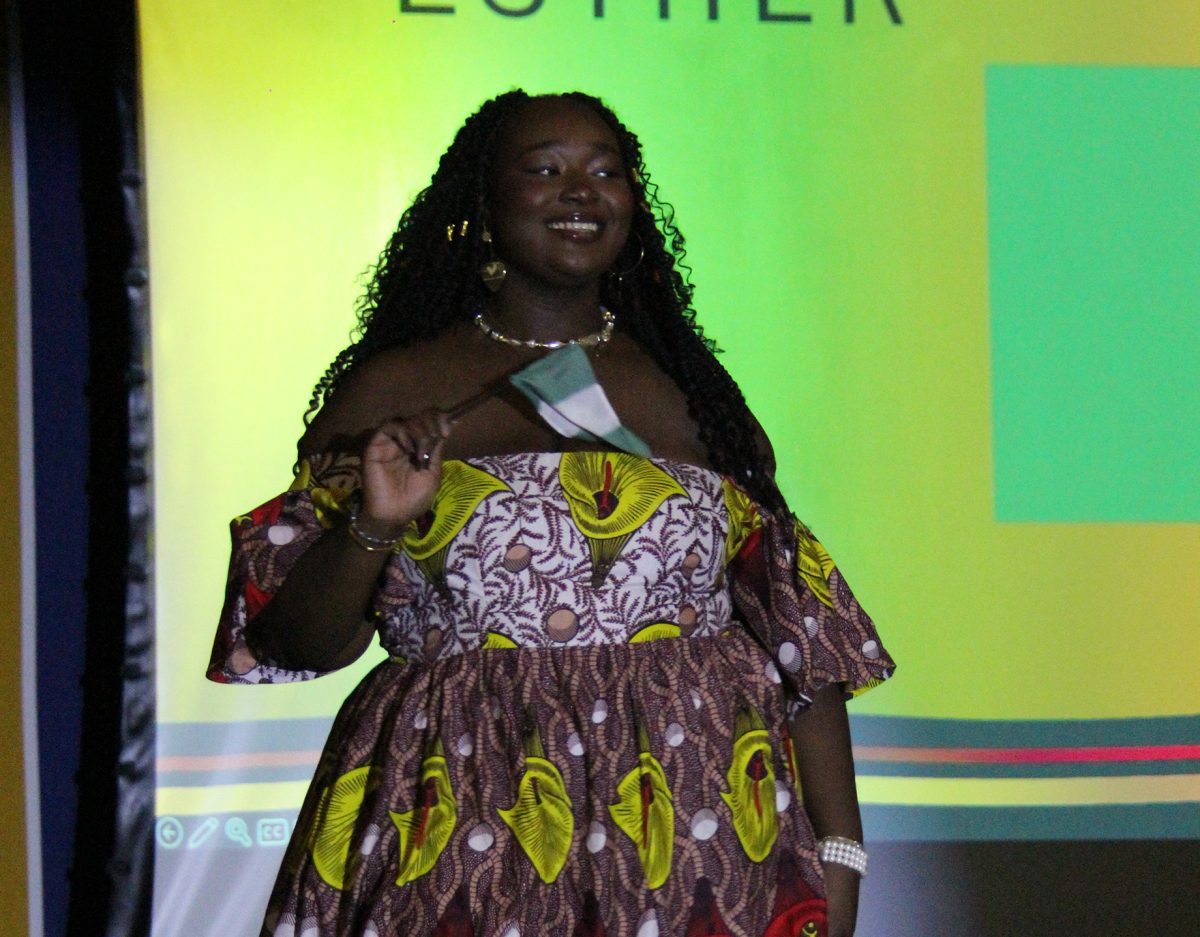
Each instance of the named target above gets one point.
<point>392,382</point>
<point>649,402</point>
<point>656,408</point>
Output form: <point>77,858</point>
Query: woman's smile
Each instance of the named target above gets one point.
<point>577,228</point>
<point>562,202</point>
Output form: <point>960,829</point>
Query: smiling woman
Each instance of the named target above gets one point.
<point>613,699</point>
<point>561,208</point>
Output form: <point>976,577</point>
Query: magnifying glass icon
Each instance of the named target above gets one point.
<point>236,830</point>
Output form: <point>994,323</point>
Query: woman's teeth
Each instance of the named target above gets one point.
<point>574,226</point>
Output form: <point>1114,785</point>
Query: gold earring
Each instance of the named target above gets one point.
<point>620,275</point>
<point>493,273</point>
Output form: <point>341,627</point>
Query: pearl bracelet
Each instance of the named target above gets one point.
<point>366,541</point>
<point>843,851</point>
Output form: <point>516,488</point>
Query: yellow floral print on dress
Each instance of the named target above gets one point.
<point>462,490</point>
<point>498,641</point>
<point>611,495</point>
<point>541,817</point>
<point>813,564</point>
<point>425,830</point>
<point>751,778</point>
<point>336,817</point>
<point>645,812</point>
<point>655,631</point>
<point>789,751</point>
<point>743,516</point>
<point>329,502</point>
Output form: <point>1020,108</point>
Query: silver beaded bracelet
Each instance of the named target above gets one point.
<point>843,851</point>
<point>366,541</point>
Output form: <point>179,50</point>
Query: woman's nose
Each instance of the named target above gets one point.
<point>578,187</point>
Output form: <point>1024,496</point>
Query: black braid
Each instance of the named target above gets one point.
<point>425,280</point>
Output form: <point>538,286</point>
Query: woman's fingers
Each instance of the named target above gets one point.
<point>411,438</point>
<point>390,442</point>
<point>437,451</point>
<point>402,466</point>
<point>416,438</point>
<point>421,438</point>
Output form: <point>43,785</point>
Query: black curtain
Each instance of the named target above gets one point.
<point>87,277</point>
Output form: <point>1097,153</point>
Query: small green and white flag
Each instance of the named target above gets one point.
<point>563,388</point>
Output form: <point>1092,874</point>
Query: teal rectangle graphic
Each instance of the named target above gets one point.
<point>1094,265</point>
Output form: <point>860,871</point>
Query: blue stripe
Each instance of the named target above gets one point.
<point>274,735</point>
<point>239,738</point>
<point>996,733</point>
<point>1074,769</point>
<point>263,775</point>
<point>885,823</point>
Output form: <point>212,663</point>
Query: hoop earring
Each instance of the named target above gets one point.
<point>493,271</point>
<point>620,275</point>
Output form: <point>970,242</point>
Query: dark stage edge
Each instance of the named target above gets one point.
<point>1126,888</point>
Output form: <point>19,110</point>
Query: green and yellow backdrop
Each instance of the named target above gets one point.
<point>951,250</point>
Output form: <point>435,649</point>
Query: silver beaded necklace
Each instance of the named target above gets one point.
<point>591,340</point>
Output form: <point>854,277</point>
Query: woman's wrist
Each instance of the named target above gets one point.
<point>843,851</point>
<point>375,535</point>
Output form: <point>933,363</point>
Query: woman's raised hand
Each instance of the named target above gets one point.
<point>401,471</point>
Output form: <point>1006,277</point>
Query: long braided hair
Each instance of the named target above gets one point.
<point>426,278</point>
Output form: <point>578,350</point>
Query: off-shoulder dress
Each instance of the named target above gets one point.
<point>581,724</point>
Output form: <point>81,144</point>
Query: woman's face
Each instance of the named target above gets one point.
<point>561,200</point>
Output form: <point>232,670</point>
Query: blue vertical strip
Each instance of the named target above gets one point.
<point>60,361</point>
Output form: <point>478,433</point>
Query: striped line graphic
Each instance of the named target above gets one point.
<point>1028,755</point>
<point>917,778</point>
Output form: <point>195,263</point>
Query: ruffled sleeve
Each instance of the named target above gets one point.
<point>795,601</point>
<point>266,544</point>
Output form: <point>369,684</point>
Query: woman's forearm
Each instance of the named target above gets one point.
<point>320,617</point>
<point>826,765</point>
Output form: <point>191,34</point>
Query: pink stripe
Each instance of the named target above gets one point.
<point>1029,755</point>
<point>248,760</point>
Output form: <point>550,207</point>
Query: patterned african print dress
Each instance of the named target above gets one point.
<point>572,734</point>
